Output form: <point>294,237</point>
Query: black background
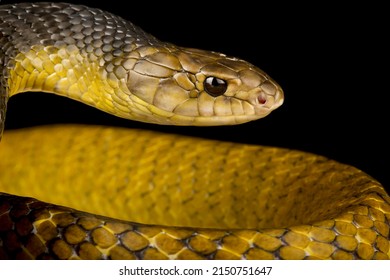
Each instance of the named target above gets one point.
<point>331,60</point>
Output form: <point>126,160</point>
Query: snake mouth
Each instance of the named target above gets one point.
<point>260,103</point>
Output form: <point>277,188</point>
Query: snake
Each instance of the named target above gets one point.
<point>101,192</point>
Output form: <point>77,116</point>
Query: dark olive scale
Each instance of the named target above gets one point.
<point>50,24</point>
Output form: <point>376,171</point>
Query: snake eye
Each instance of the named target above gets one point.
<point>215,86</point>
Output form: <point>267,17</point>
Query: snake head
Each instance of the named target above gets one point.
<point>184,86</point>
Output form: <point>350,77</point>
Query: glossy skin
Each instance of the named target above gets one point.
<point>186,198</point>
<point>107,62</point>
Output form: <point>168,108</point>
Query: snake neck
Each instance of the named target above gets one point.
<point>69,50</point>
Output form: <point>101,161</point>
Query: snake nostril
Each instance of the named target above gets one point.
<point>262,99</point>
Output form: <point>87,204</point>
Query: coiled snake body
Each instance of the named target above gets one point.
<point>187,198</point>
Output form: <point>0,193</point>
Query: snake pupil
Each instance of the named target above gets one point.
<point>215,86</point>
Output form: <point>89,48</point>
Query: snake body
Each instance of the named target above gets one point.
<point>186,198</point>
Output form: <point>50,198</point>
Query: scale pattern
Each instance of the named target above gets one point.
<point>187,198</point>
<point>331,210</point>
